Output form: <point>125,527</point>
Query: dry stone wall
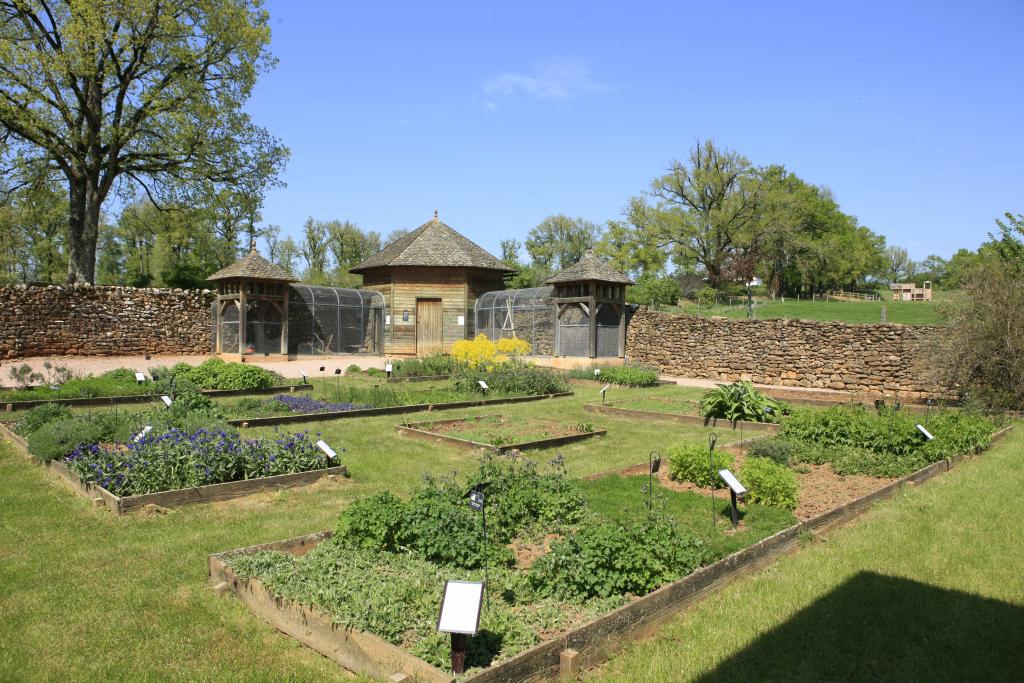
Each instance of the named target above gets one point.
<point>874,359</point>
<point>102,321</point>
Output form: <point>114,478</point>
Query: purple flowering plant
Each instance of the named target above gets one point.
<point>177,459</point>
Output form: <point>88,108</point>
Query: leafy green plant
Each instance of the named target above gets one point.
<point>41,415</point>
<point>603,558</point>
<point>512,377</point>
<point>691,462</point>
<point>778,450</point>
<point>741,401</point>
<point>769,483</point>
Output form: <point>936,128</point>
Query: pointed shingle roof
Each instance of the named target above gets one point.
<point>255,267</point>
<point>588,268</point>
<point>433,244</point>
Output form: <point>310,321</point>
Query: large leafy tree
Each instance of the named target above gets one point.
<point>560,241</point>
<point>136,92</point>
<point>712,203</point>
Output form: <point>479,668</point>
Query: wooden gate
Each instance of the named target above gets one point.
<point>428,327</point>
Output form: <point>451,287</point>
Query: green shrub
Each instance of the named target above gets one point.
<point>741,401</point>
<point>778,450</point>
<point>603,558</point>
<point>769,483</point>
<point>41,415</point>
<point>218,374</point>
<point>375,522</point>
<point>513,377</point>
<point>690,462</point>
<point>57,439</point>
<point>885,442</point>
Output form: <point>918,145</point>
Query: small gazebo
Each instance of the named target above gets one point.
<point>252,308</point>
<point>590,309</point>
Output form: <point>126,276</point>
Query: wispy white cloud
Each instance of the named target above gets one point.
<point>556,78</point>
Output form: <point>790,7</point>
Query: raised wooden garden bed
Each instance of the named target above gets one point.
<point>561,658</point>
<point>524,434</point>
<point>147,398</point>
<point>392,410</point>
<point>170,499</point>
<point>614,408</point>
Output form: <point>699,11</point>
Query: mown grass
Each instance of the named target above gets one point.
<point>925,587</point>
<point>903,312</point>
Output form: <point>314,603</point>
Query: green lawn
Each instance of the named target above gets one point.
<point>905,312</point>
<point>926,587</point>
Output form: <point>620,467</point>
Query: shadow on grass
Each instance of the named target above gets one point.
<point>882,628</point>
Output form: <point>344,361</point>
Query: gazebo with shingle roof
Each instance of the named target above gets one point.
<point>590,309</point>
<point>252,307</point>
<point>430,280</point>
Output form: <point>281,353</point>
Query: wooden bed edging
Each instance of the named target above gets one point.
<point>608,409</point>
<point>147,398</point>
<point>391,410</point>
<point>357,651</point>
<point>168,499</point>
<point>418,430</point>
<point>589,644</point>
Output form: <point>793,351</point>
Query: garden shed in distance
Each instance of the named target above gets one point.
<point>430,280</point>
<point>590,309</point>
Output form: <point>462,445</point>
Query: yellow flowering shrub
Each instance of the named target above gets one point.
<point>480,351</point>
<point>513,347</point>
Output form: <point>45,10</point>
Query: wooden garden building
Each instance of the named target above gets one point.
<point>590,309</point>
<point>251,311</point>
<point>430,280</point>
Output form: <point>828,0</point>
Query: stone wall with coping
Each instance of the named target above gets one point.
<point>102,321</point>
<point>875,359</point>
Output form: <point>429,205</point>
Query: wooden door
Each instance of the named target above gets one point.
<point>428,327</point>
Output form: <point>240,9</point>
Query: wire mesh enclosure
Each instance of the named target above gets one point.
<point>327,320</point>
<point>526,314</point>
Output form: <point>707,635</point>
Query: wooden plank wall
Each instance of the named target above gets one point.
<point>458,289</point>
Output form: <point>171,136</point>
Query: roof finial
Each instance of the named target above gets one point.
<point>435,216</point>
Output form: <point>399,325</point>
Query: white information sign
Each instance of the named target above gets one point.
<point>460,607</point>
<point>167,400</point>
<point>462,320</point>
<point>140,377</point>
<point>732,482</point>
<point>924,431</point>
<point>145,430</point>
<point>328,451</point>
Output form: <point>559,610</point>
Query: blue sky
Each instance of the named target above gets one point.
<point>499,114</point>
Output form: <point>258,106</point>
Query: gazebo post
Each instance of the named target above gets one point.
<point>592,332</point>
<point>241,318</point>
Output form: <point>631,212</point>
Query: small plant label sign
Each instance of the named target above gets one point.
<point>145,430</point>
<point>167,400</point>
<point>328,451</point>
<point>140,377</point>
<point>460,607</point>
<point>732,482</point>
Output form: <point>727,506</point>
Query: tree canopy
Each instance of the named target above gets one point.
<point>135,93</point>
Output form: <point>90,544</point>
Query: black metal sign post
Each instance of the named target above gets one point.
<point>653,465</point>
<point>478,503</point>
<point>712,439</point>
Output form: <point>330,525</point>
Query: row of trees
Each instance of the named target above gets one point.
<point>718,219</point>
